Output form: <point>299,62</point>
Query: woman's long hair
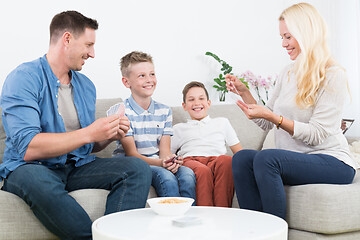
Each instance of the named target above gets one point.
<point>308,27</point>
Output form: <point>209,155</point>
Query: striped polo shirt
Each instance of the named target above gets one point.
<point>147,127</point>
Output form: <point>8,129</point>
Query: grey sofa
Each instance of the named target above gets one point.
<point>314,211</point>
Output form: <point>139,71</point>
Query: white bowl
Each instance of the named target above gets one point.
<point>170,209</point>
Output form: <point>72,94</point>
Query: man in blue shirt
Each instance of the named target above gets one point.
<point>48,112</point>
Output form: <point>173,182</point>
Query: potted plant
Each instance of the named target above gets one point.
<point>220,81</point>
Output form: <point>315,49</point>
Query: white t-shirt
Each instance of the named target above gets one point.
<point>67,109</point>
<point>207,137</point>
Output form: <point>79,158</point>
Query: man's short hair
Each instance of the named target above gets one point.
<point>133,58</point>
<point>70,21</point>
<point>191,85</point>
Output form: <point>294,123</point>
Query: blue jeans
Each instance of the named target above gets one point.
<point>46,191</point>
<point>167,184</point>
<point>260,176</point>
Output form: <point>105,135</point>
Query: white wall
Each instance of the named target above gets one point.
<point>177,34</point>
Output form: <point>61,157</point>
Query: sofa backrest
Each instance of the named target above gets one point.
<point>250,135</point>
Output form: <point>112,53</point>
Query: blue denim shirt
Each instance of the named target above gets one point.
<point>29,106</point>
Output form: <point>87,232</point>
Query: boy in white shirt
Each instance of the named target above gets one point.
<point>202,143</point>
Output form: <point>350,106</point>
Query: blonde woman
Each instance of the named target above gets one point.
<point>306,109</point>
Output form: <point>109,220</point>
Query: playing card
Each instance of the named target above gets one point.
<point>118,108</point>
<point>121,109</point>
<point>109,112</point>
<point>237,97</point>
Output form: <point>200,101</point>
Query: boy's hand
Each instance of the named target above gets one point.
<point>170,163</point>
<point>179,160</point>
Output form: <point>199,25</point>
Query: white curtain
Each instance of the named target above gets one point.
<point>350,55</point>
<point>343,19</point>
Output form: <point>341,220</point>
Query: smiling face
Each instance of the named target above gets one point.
<point>196,103</point>
<point>141,80</point>
<point>288,41</point>
<point>80,48</point>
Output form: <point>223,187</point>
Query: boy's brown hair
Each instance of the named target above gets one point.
<point>191,85</point>
<point>132,58</point>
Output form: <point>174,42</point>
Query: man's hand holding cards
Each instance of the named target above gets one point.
<point>124,124</point>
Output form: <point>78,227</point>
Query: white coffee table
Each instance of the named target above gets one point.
<point>217,224</point>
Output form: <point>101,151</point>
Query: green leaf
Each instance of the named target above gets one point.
<point>214,56</point>
<point>218,81</point>
<point>225,69</point>
<point>244,82</point>
<point>223,83</point>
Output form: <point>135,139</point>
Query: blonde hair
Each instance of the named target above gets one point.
<point>308,27</point>
<point>133,58</point>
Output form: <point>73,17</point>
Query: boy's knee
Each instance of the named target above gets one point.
<point>224,161</point>
<point>187,174</point>
<point>186,171</point>
<point>204,172</point>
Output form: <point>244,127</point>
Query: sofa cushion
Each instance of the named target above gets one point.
<point>303,235</point>
<point>324,208</point>
<point>269,142</point>
<point>18,222</point>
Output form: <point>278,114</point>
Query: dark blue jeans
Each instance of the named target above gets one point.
<point>46,191</point>
<point>260,176</point>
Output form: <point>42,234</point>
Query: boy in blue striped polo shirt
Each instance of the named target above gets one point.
<point>150,130</point>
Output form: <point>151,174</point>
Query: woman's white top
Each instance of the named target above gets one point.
<point>316,129</point>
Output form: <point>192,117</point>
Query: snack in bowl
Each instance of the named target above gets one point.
<point>172,200</point>
<point>170,206</point>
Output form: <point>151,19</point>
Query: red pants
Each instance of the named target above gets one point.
<point>214,180</point>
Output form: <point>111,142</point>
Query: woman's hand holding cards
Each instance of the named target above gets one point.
<point>234,85</point>
<point>230,84</point>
